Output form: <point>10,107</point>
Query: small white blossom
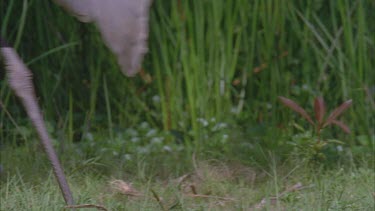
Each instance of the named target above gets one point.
<point>89,136</point>
<point>127,157</point>
<point>339,148</point>
<point>151,133</point>
<point>131,132</point>
<point>134,139</point>
<point>144,125</point>
<point>203,122</point>
<point>156,99</point>
<point>143,150</point>
<point>167,148</point>
<point>219,126</point>
<point>157,140</point>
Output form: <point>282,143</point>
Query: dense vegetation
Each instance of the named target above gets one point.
<point>208,89</point>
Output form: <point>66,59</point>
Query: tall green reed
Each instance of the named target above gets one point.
<point>194,51</point>
<point>226,60</point>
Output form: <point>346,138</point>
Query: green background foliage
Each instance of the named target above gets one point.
<point>225,61</point>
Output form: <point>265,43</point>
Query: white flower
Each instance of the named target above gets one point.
<point>224,138</point>
<point>157,140</point>
<point>167,148</point>
<point>203,122</point>
<point>144,125</point>
<point>219,126</point>
<point>339,148</point>
<point>156,99</point>
<point>143,150</point>
<point>134,139</point>
<point>131,132</point>
<point>127,157</point>
<point>89,136</point>
<point>151,133</point>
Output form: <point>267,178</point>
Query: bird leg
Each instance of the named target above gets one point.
<point>20,80</point>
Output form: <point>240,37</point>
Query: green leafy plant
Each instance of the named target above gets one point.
<point>320,122</point>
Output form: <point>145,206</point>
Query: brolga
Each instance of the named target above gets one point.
<point>123,25</point>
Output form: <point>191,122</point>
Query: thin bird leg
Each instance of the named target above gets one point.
<point>20,80</point>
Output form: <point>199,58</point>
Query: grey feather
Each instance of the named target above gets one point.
<point>123,25</point>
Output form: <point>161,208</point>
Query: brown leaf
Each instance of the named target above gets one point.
<point>236,82</point>
<point>159,200</point>
<point>342,125</point>
<point>319,109</point>
<point>211,196</point>
<point>260,68</point>
<point>295,107</point>
<point>146,77</point>
<point>337,112</point>
<point>124,188</point>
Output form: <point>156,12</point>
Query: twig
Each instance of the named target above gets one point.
<point>192,187</point>
<point>159,200</point>
<point>209,196</point>
<point>183,178</point>
<point>86,206</point>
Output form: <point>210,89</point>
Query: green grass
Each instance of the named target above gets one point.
<point>217,185</point>
<point>239,177</point>
<point>209,89</point>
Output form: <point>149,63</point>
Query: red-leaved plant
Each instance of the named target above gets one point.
<point>320,109</point>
